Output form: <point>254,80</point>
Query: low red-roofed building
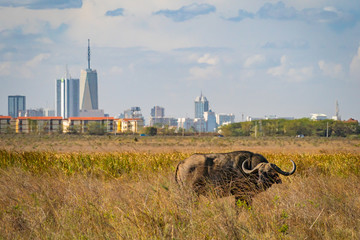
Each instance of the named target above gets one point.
<point>38,124</point>
<point>92,125</point>
<point>126,125</point>
<point>5,124</point>
<point>351,120</point>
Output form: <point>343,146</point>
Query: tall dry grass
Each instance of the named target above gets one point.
<point>42,197</point>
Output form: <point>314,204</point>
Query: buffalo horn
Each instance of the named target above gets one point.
<point>276,168</point>
<point>248,171</point>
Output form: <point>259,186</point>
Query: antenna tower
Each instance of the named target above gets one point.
<point>67,72</point>
<point>88,53</point>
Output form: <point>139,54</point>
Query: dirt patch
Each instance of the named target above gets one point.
<point>76,143</point>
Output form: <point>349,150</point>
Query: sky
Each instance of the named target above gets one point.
<point>287,58</point>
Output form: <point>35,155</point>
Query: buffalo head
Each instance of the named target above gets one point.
<point>268,173</point>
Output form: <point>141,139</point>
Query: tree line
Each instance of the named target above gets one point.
<point>297,127</point>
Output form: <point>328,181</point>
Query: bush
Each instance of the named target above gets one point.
<point>151,131</point>
<point>282,127</point>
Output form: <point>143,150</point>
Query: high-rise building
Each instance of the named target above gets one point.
<point>38,112</point>
<point>201,106</point>
<point>15,104</point>
<point>223,118</point>
<point>49,112</point>
<point>200,125</point>
<point>88,87</point>
<point>185,123</point>
<point>157,112</point>
<point>210,119</point>
<point>133,112</point>
<point>67,97</point>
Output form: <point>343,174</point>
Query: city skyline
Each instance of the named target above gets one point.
<point>253,58</point>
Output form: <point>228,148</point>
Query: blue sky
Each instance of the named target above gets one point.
<point>287,58</point>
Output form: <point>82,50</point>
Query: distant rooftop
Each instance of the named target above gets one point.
<point>201,98</point>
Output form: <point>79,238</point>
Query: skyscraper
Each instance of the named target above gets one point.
<point>15,104</point>
<point>88,87</point>
<point>201,106</point>
<point>67,97</point>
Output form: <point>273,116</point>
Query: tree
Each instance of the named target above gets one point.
<point>74,129</point>
<point>151,131</point>
<point>298,127</point>
<point>96,128</point>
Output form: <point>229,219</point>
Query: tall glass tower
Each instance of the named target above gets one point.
<point>67,97</point>
<point>201,106</point>
<point>15,104</point>
<point>88,87</point>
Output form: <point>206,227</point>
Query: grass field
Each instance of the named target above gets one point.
<point>116,187</point>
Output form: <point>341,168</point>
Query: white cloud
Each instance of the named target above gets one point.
<point>299,74</point>
<point>199,73</point>
<point>355,66</point>
<point>330,69</point>
<point>37,60</point>
<point>187,12</point>
<point>41,4</point>
<point>254,60</point>
<point>285,12</point>
<point>116,70</point>
<point>132,67</point>
<point>291,74</point>
<point>206,58</point>
<point>5,68</point>
<point>280,70</point>
<point>44,40</point>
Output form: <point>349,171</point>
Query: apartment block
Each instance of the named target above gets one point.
<point>92,125</point>
<point>125,125</point>
<point>38,124</point>
<point>6,124</point>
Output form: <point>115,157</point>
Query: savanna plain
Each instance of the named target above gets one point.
<point>123,187</point>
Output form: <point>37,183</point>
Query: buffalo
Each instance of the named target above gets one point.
<point>242,174</point>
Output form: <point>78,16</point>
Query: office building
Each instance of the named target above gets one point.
<point>163,121</point>
<point>49,112</point>
<point>157,112</point>
<point>318,116</point>
<point>133,112</point>
<point>92,113</point>
<point>38,112</point>
<point>200,125</point>
<point>201,106</point>
<point>210,119</point>
<point>223,118</point>
<point>15,104</point>
<point>67,97</point>
<point>88,87</point>
<point>185,123</point>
